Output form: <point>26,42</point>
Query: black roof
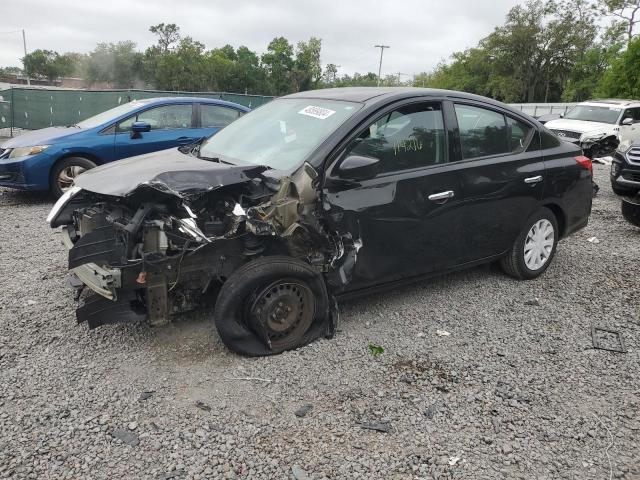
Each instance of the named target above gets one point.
<point>372,95</point>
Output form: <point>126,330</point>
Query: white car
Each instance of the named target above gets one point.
<point>600,117</point>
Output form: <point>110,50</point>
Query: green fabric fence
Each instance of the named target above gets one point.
<point>33,108</point>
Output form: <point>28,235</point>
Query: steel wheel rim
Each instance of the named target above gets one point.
<point>284,311</point>
<point>67,176</point>
<point>538,244</point>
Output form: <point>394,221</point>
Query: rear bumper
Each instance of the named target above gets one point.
<point>103,281</point>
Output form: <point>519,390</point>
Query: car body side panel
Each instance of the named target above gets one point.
<point>402,232</point>
<point>568,185</point>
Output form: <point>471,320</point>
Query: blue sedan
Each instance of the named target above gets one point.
<point>49,159</point>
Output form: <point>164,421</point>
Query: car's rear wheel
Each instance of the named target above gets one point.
<point>65,172</point>
<point>270,305</point>
<point>535,247</point>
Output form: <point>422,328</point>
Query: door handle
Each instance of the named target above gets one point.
<point>184,140</point>
<point>532,180</point>
<point>441,196</point>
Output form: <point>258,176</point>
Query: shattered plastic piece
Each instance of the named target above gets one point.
<point>238,211</point>
<point>299,473</point>
<point>593,240</point>
<point>203,406</point>
<point>145,395</point>
<point>126,436</point>
<point>378,426</point>
<point>453,460</point>
<point>303,410</point>
<point>442,333</point>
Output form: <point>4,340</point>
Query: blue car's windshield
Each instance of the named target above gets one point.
<point>104,117</point>
<point>280,134</point>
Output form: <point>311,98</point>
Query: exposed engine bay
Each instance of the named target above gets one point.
<point>161,250</point>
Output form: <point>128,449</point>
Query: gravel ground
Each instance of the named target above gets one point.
<point>514,391</point>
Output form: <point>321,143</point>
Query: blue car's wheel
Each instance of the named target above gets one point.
<point>66,171</point>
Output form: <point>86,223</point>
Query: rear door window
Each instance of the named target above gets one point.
<point>217,116</point>
<point>483,132</point>
<point>518,134</point>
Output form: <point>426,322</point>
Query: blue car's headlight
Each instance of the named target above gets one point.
<point>26,151</point>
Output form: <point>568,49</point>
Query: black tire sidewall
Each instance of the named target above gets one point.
<point>526,272</point>
<point>231,303</point>
<point>61,165</point>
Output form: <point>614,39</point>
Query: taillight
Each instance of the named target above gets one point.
<point>584,162</point>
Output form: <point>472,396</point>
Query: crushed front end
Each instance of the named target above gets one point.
<point>159,250</point>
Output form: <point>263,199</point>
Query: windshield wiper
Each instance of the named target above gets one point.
<point>213,159</point>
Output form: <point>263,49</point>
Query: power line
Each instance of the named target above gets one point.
<point>381,47</point>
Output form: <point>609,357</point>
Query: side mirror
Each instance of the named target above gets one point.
<point>140,127</point>
<point>628,121</point>
<point>356,167</point>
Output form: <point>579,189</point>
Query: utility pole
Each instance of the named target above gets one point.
<point>398,74</point>
<point>381,47</point>
<point>24,45</point>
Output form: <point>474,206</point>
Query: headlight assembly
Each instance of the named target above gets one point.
<point>26,151</point>
<point>61,203</point>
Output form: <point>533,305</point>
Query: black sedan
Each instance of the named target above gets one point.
<point>314,197</point>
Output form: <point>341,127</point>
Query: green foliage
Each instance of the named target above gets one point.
<point>546,51</point>
<point>47,64</point>
<point>116,63</point>
<point>278,63</point>
<point>168,35</point>
<point>541,49</point>
<point>625,12</point>
<point>375,350</point>
<point>623,79</point>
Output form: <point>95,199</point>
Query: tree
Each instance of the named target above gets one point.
<point>278,62</point>
<point>622,80</point>
<point>626,11</point>
<point>530,58</point>
<point>588,71</point>
<point>168,35</point>
<point>47,64</point>
<point>116,63</point>
<point>330,74</point>
<point>307,70</point>
<point>183,68</point>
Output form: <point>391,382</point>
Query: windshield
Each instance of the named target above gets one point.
<point>590,113</point>
<point>280,134</point>
<point>104,117</point>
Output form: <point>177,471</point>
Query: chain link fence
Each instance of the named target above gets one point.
<point>34,108</point>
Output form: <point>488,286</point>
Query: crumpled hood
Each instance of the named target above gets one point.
<point>579,125</point>
<point>43,136</point>
<point>169,171</point>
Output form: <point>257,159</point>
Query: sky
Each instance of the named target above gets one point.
<point>420,33</point>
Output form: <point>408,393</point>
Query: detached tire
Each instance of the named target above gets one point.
<point>270,305</point>
<point>535,247</point>
<point>65,171</point>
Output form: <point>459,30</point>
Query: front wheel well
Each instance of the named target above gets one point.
<point>560,217</point>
